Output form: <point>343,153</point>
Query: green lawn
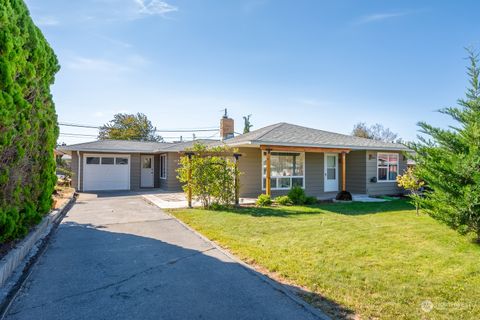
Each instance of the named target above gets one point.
<point>377,260</point>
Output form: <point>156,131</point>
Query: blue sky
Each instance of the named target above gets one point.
<point>322,64</point>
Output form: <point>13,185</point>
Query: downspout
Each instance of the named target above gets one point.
<point>78,171</point>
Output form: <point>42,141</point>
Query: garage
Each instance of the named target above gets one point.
<point>106,172</point>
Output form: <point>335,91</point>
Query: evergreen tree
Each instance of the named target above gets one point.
<point>247,125</point>
<point>28,122</point>
<point>448,160</point>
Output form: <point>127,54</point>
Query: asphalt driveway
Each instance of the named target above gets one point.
<point>118,257</point>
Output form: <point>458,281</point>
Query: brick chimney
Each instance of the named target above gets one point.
<point>227,127</point>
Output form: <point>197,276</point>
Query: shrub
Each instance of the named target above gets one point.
<point>297,195</point>
<point>284,200</point>
<point>410,182</point>
<point>215,206</point>
<point>213,177</point>
<point>28,122</point>
<point>264,200</point>
<point>311,200</point>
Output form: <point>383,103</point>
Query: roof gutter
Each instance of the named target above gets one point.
<point>110,151</point>
<point>330,146</point>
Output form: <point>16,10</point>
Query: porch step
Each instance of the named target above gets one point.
<point>366,198</point>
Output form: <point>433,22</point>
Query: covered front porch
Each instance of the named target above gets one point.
<point>322,170</point>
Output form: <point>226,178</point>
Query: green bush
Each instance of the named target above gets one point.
<point>311,200</point>
<point>215,206</point>
<point>213,176</point>
<point>264,200</point>
<point>284,200</point>
<point>28,122</point>
<point>297,195</point>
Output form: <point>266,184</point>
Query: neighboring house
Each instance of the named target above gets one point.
<point>311,158</point>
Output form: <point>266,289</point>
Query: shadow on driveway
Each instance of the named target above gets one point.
<point>143,270</point>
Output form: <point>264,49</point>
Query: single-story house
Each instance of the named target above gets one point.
<point>321,162</point>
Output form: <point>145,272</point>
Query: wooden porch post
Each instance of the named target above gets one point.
<point>237,182</point>
<point>189,192</point>
<point>268,190</point>
<point>344,171</point>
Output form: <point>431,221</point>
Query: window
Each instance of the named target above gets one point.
<point>163,166</point>
<point>121,161</point>
<point>387,166</point>
<point>93,160</point>
<point>147,163</point>
<point>286,170</point>
<point>108,160</point>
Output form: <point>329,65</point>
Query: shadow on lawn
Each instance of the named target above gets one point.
<point>354,208</point>
<point>333,309</point>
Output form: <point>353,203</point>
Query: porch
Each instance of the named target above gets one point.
<point>334,178</point>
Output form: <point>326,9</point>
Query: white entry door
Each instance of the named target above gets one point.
<point>331,172</point>
<point>146,179</point>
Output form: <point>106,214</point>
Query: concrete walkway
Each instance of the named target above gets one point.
<point>118,257</point>
<point>176,200</point>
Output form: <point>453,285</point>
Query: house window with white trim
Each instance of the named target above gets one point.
<point>387,167</point>
<point>163,166</point>
<point>286,170</point>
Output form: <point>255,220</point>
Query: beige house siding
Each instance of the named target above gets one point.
<point>171,183</point>
<point>135,171</point>
<point>74,166</point>
<point>250,167</point>
<point>382,188</point>
<point>156,171</point>
<point>314,163</point>
<point>356,173</point>
<point>361,166</point>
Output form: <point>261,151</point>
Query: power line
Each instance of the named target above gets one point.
<point>77,134</point>
<point>202,129</point>
<point>81,135</point>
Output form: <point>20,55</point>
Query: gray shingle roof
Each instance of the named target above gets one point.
<point>182,146</point>
<point>292,135</point>
<point>278,134</point>
<point>128,146</point>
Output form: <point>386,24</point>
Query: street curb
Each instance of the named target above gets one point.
<point>16,257</point>
<point>277,286</point>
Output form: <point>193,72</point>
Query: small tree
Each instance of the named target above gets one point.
<point>212,175</point>
<point>411,183</point>
<point>247,125</point>
<point>361,130</point>
<point>375,132</point>
<point>449,161</point>
<point>129,127</point>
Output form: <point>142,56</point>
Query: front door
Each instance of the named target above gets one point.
<point>331,172</point>
<point>147,172</point>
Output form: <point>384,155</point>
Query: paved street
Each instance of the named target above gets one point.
<point>118,257</point>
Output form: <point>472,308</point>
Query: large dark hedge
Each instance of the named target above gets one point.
<point>28,122</point>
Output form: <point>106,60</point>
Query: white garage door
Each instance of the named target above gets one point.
<point>106,172</point>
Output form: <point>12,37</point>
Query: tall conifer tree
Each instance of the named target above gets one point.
<point>448,160</point>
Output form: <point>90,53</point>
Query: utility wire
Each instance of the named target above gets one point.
<point>203,129</point>
<point>81,135</point>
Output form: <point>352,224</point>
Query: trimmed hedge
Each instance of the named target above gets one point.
<point>28,122</point>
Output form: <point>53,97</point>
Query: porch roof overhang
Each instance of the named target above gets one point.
<point>259,144</point>
<point>303,149</point>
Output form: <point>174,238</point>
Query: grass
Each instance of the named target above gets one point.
<point>372,260</point>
